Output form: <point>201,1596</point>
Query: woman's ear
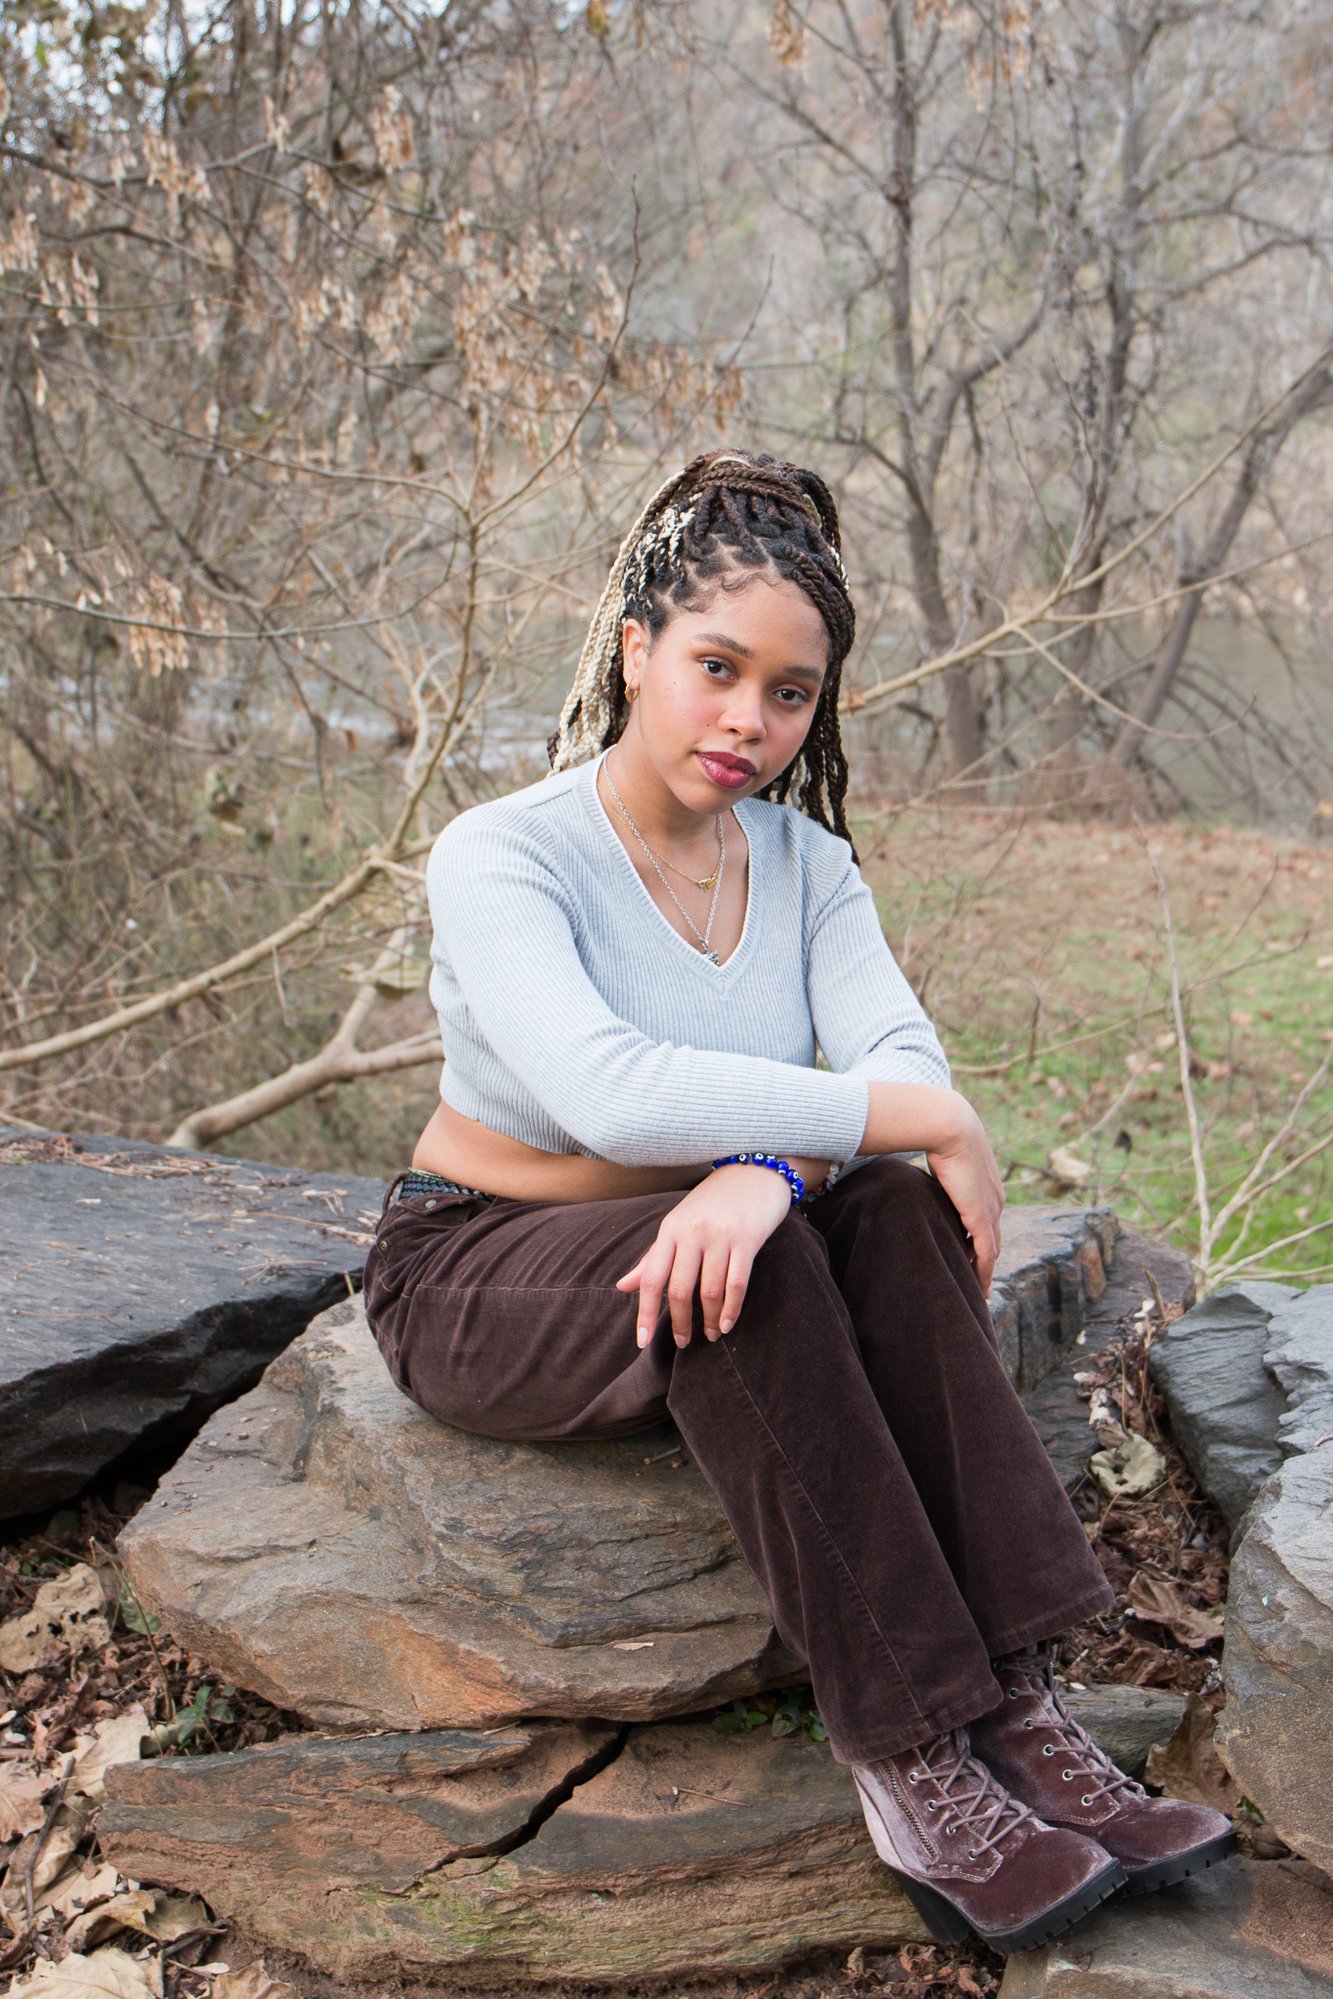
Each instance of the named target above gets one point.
<point>635,644</point>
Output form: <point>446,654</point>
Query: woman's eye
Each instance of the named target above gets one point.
<point>788,697</point>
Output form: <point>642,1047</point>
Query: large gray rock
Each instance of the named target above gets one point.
<point>1248,1378</point>
<point>688,1853</point>
<point>140,1287</point>
<point>1245,1930</point>
<point>329,1545</point>
<point>1277,1659</point>
<point>1225,1407</point>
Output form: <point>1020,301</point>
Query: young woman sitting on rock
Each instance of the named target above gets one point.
<point>640,1197</point>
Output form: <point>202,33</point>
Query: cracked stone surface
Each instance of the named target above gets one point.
<point>689,1852</point>
<point>378,1812</point>
<point>331,1546</point>
<point>539,1852</point>
<point>141,1287</point>
<point>1245,1930</point>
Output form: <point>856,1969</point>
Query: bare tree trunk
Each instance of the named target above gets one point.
<point>962,708</point>
<point>1122,302</point>
<point>1315,393</point>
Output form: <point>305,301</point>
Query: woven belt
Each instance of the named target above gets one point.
<point>415,1181</point>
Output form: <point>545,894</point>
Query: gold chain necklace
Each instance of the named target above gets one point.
<point>715,880</point>
<point>709,881</point>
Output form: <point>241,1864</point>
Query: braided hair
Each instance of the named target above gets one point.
<point>726,517</point>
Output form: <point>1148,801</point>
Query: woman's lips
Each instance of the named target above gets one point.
<point>729,773</point>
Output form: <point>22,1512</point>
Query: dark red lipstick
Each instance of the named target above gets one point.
<point>728,771</point>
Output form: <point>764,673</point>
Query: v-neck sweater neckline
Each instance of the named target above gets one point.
<point>729,964</point>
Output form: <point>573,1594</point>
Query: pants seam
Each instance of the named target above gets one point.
<point>822,1525</point>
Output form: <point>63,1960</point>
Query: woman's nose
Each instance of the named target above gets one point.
<point>744,713</point>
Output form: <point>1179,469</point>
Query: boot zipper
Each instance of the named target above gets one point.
<point>909,1812</point>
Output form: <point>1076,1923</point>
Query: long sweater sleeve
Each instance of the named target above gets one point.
<point>505,927</point>
<point>868,1020</point>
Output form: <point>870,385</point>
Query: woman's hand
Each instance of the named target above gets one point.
<point>965,1167</point>
<point>709,1241</point>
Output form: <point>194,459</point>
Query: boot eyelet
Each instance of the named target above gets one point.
<point>1049,1750</point>
<point>912,1778</point>
<point>1029,1723</point>
<point>933,1805</point>
<point>951,1830</point>
<point>1087,1801</point>
<point>973,1853</point>
<point>1068,1776</point>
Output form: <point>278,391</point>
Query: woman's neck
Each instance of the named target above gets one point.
<point>655,809</point>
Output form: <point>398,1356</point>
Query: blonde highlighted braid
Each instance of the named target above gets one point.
<point>727,516</point>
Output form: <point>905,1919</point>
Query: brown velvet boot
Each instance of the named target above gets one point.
<point>1034,1745</point>
<point>973,1858</point>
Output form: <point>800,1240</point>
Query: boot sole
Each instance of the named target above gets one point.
<point>948,1924</point>
<point>1165,1873</point>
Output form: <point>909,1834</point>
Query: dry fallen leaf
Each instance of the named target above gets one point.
<point>1128,1469</point>
<point>66,1832</point>
<point>122,1912</point>
<point>168,1918</point>
<point>21,1807</point>
<point>79,1889</point>
<point>1189,1765</point>
<point>107,1974</point>
<point>252,1983</point>
<point>1065,1166</point>
<point>68,1612</point>
<point>1157,1601</point>
<point>114,1741</point>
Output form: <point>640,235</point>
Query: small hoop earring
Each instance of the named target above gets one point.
<point>631,693</point>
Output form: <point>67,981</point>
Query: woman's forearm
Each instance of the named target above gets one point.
<point>915,1117</point>
<point>463,1149</point>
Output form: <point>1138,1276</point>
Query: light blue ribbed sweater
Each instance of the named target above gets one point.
<point>574,1017</point>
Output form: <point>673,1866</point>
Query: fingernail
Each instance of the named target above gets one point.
<point>681,1340</point>
<point>711,1333</point>
<point>644,1335</point>
<point>727,1325</point>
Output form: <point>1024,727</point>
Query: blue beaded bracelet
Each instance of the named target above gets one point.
<point>788,1172</point>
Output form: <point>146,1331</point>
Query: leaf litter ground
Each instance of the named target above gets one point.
<point>101,1682</point>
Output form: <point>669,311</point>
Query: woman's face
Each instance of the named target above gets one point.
<point>726,695</point>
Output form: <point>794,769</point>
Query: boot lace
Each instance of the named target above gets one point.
<point>980,1804</point>
<point>1105,1778</point>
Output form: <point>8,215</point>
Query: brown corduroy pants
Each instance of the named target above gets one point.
<point>880,1474</point>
